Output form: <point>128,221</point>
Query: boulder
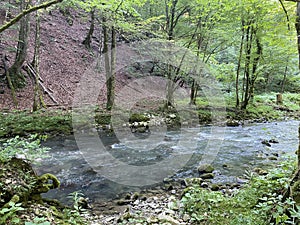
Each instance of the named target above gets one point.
<point>205,168</point>
<point>207,176</point>
<point>215,187</point>
<point>232,123</point>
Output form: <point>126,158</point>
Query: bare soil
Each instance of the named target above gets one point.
<point>64,60</point>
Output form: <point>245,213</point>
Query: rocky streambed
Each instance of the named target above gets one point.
<point>237,150</point>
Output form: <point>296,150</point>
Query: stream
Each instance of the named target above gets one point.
<point>239,150</point>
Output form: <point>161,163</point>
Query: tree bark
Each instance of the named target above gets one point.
<point>9,81</point>
<point>237,101</point>
<point>17,78</point>
<point>109,63</point>
<point>297,24</point>
<point>38,101</point>
<point>298,153</point>
<point>88,39</point>
<point>249,36</point>
<point>111,80</point>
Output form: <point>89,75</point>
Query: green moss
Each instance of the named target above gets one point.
<point>45,183</point>
<point>136,117</point>
<point>204,115</point>
<point>23,123</point>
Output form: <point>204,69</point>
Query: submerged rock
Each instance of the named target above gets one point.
<point>266,142</point>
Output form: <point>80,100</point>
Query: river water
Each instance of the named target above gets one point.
<point>238,149</point>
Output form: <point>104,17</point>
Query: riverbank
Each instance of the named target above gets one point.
<point>258,201</point>
<point>54,122</point>
<point>200,202</point>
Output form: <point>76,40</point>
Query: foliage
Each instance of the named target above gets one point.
<point>75,216</point>
<point>8,213</point>
<point>257,203</point>
<point>29,149</point>
<point>38,221</point>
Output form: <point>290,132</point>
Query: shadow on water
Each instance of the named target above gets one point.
<point>241,150</point>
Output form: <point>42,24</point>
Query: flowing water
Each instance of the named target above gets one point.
<point>232,153</point>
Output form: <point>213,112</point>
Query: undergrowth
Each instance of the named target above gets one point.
<point>260,202</point>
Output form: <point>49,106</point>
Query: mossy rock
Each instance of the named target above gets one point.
<point>136,117</point>
<point>215,187</point>
<point>207,176</point>
<point>192,181</point>
<point>17,178</point>
<point>205,168</point>
<point>45,183</point>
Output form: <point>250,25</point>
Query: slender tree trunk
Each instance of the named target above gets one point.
<point>17,78</point>
<point>194,92</point>
<point>109,63</point>
<point>259,51</point>
<point>88,39</point>
<point>38,101</point>
<point>249,38</point>
<point>237,98</point>
<point>297,24</point>
<point>106,59</point>
<point>298,153</point>
<point>192,95</point>
<point>111,80</point>
<point>284,79</point>
<point>170,88</point>
<point>170,25</point>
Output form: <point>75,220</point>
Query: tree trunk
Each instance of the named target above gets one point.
<point>298,153</point>
<point>109,63</point>
<point>17,78</point>
<point>297,24</point>
<point>88,38</point>
<point>111,81</point>
<point>247,66</point>
<point>38,101</point>
<point>255,63</point>
<point>284,79</point>
<point>192,95</point>
<point>170,25</point>
<point>237,101</point>
<point>10,85</point>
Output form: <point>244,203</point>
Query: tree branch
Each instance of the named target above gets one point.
<point>286,14</point>
<point>27,11</point>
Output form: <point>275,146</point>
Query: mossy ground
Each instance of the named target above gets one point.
<point>59,122</point>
